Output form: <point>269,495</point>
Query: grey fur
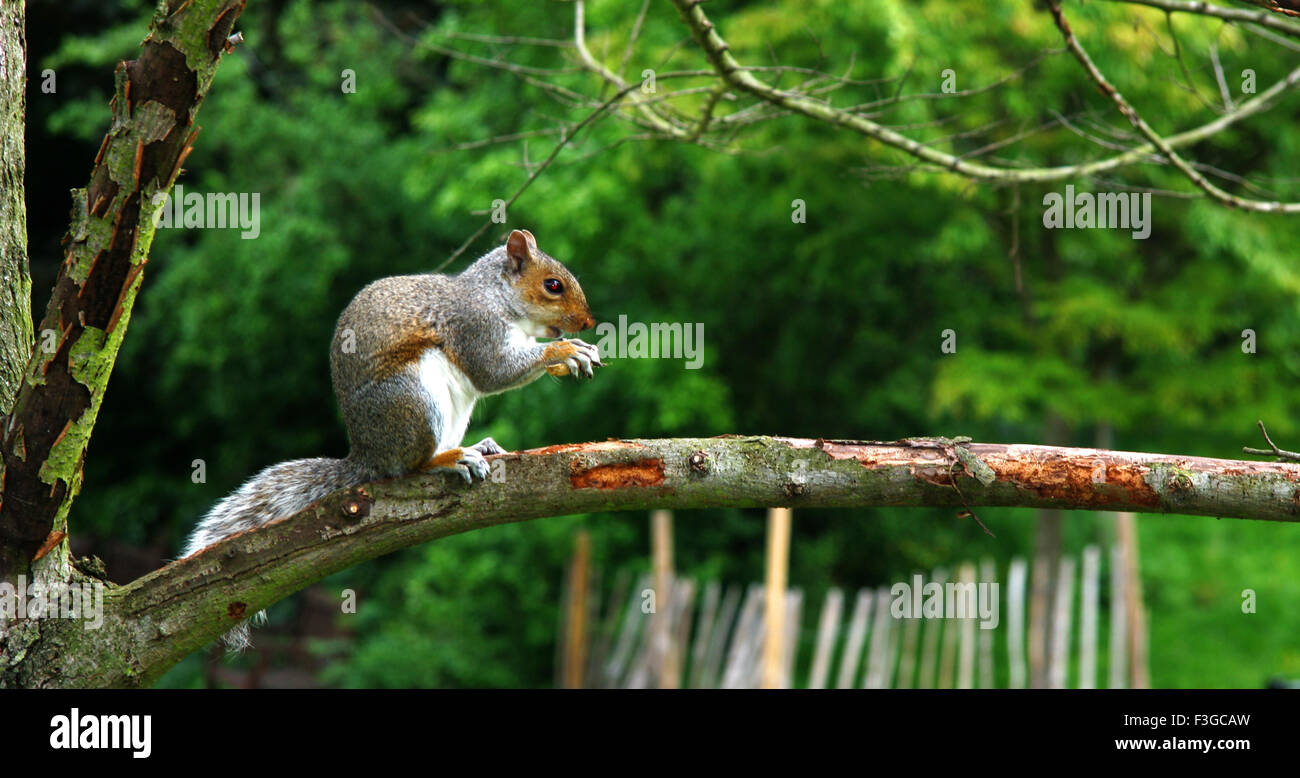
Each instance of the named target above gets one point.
<point>278,491</point>
<point>389,415</point>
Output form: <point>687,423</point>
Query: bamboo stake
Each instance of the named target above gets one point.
<point>683,608</point>
<point>608,630</point>
<point>1118,615</point>
<point>1088,618</point>
<point>878,652</point>
<point>778,564</point>
<point>966,652</point>
<point>930,645</point>
<point>704,627</point>
<point>828,627</point>
<point>951,640</point>
<point>907,659</point>
<point>1137,633</point>
<point>627,651</point>
<point>1016,578</point>
<point>793,612</point>
<point>988,576</point>
<point>711,678</point>
<point>661,523</point>
<point>737,674</point>
<point>1059,661</point>
<point>857,634</point>
<point>575,644</point>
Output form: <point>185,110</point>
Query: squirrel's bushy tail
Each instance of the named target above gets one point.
<point>276,492</point>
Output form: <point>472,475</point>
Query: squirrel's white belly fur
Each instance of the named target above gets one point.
<point>451,397</point>
<point>451,394</point>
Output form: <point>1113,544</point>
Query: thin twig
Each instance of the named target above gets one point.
<point>1261,18</point>
<point>1154,138</point>
<point>1281,454</point>
<point>565,137</point>
<point>724,62</point>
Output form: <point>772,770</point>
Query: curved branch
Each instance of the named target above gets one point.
<point>719,55</point>
<point>656,120</point>
<point>1262,18</point>
<point>1130,113</point>
<point>1272,5</point>
<point>152,623</point>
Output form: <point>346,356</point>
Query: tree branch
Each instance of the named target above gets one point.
<point>1272,5</point>
<point>1281,454</point>
<point>152,623</point>
<point>719,55</point>
<point>1262,18</point>
<point>1130,113</point>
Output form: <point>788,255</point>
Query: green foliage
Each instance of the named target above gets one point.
<point>830,328</point>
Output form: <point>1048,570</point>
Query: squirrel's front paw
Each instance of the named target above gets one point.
<point>468,463</point>
<point>571,357</point>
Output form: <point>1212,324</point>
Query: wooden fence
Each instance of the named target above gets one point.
<point>715,636</point>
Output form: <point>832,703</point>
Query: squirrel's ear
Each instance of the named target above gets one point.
<point>519,249</point>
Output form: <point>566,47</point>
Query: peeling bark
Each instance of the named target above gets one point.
<point>44,438</point>
<point>155,621</point>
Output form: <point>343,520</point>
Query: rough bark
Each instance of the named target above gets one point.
<point>44,439</point>
<point>15,281</point>
<point>153,622</point>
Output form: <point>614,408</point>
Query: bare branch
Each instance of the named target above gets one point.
<point>1188,84</point>
<point>1219,78</point>
<point>634,36</point>
<point>509,40</point>
<point>565,136</point>
<point>1154,138</point>
<point>1272,6</point>
<point>1262,18</point>
<point>657,120</point>
<point>719,55</point>
<point>1281,454</point>
<point>514,136</point>
<point>901,98</point>
<point>447,51</point>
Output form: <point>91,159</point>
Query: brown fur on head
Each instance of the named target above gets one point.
<point>549,293</point>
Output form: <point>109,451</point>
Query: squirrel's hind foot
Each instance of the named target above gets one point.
<point>468,463</point>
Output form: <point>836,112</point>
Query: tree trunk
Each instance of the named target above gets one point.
<point>45,435</point>
<point>15,281</point>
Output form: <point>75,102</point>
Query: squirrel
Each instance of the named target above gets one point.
<point>409,358</point>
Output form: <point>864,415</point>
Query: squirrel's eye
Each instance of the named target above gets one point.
<point>553,285</point>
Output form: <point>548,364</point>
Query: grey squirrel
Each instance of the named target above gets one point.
<point>410,356</point>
